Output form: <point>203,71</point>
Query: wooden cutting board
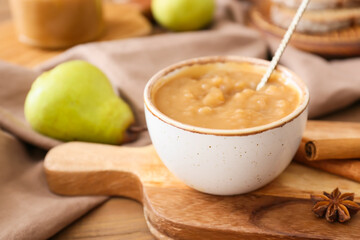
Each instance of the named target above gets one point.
<point>172,210</point>
<point>341,43</point>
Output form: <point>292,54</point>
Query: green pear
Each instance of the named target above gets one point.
<point>76,102</point>
<point>183,15</point>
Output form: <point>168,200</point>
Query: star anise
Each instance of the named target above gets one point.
<point>335,206</point>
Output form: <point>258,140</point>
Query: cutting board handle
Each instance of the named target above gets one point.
<point>78,168</point>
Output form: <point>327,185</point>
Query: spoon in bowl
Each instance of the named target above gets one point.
<point>283,44</point>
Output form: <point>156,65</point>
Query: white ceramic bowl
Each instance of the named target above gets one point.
<point>226,162</point>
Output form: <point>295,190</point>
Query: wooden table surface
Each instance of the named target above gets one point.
<point>121,218</point>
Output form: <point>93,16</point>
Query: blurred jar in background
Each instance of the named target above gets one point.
<point>57,23</point>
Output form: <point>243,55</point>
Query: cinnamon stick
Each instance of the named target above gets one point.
<point>335,136</point>
<point>325,149</point>
<point>326,140</point>
<point>346,168</point>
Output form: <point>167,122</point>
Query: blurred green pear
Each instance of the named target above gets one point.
<point>183,15</point>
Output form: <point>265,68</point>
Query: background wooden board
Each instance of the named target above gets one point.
<point>341,43</point>
<point>122,21</point>
<point>282,209</point>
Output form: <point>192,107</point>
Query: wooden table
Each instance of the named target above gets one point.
<point>118,218</point>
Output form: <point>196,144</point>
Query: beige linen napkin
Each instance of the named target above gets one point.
<point>333,84</point>
<point>28,210</point>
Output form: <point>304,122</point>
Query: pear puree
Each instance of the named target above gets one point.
<point>223,96</point>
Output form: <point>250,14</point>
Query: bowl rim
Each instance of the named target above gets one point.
<point>303,92</point>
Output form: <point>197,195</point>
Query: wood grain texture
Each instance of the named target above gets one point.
<point>331,129</point>
<point>122,21</point>
<point>115,219</point>
<point>282,209</point>
<point>341,43</point>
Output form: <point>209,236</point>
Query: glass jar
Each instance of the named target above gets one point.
<point>57,23</point>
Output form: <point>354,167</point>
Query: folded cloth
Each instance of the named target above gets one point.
<point>333,84</point>
<point>29,211</point>
<point>15,82</point>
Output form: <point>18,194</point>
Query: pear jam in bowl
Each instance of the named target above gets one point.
<point>215,132</point>
<point>223,96</point>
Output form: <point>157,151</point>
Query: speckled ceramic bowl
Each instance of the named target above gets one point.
<point>226,162</point>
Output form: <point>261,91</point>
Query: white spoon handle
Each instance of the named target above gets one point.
<point>283,44</point>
